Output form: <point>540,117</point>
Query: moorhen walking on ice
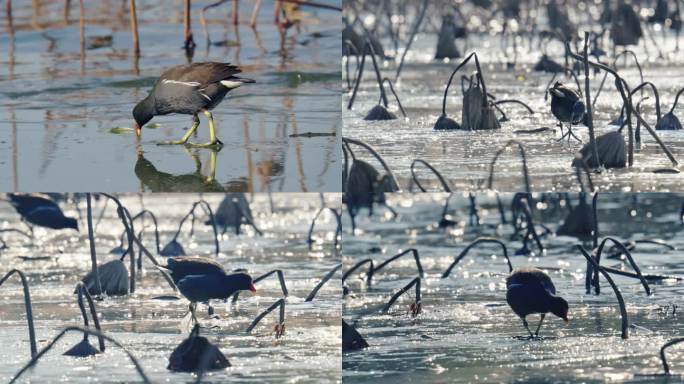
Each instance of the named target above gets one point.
<point>41,211</point>
<point>531,291</point>
<point>202,288</point>
<point>189,89</point>
<point>201,279</point>
<point>567,107</point>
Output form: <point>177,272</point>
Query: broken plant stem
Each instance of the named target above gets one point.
<point>481,240</point>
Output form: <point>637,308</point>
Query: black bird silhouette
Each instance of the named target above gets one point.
<point>201,279</point>
<point>202,288</point>
<point>182,266</point>
<point>189,89</point>
<point>531,291</point>
<point>41,211</point>
<point>567,107</point>
<point>234,211</point>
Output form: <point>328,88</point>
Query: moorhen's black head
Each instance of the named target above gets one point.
<point>559,307</point>
<point>142,113</point>
<point>241,281</point>
<point>71,223</point>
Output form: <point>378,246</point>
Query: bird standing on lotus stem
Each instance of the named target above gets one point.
<point>189,89</point>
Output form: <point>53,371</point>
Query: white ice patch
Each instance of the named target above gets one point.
<point>231,84</point>
<point>189,83</point>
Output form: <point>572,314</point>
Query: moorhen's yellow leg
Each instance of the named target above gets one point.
<point>212,167</point>
<point>184,139</point>
<point>213,141</point>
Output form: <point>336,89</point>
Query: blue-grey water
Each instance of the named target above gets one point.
<point>309,351</point>
<point>466,331</point>
<point>65,117</point>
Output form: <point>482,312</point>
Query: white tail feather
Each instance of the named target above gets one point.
<point>231,84</point>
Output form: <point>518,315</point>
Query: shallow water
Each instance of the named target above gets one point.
<point>466,332</point>
<point>463,157</point>
<point>310,350</point>
<point>57,110</point>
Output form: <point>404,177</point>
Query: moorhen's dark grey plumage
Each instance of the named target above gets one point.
<point>202,288</point>
<point>182,266</point>
<point>189,89</point>
<point>201,279</point>
<point>530,290</point>
<point>214,286</point>
<point>41,211</point>
<point>567,107</point>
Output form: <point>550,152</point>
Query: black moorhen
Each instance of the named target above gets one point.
<point>567,107</point>
<point>41,211</point>
<point>200,279</point>
<point>530,290</point>
<point>202,288</point>
<point>189,89</point>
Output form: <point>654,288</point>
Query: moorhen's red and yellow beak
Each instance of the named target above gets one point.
<point>138,129</point>
<point>252,288</point>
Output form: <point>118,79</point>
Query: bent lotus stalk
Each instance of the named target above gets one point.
<point>281,318</point>
<point>338,228</point>
<point>618,295</point>
<point>369,274</point>
<point>414,179</point>
<point>281,279</point>
<point>43,351</point>
<point>628,254</point>
<point>523,158</point>
<point>663,358</point>
<point>141,215</point>
<point>481,240</point>
<point>91,239</point>
<point>414,30</point>
<point>28,307</point>
<point>394,184</point>
<point>416,306</point>
<point>324,280</point>
<point>412,251</point>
